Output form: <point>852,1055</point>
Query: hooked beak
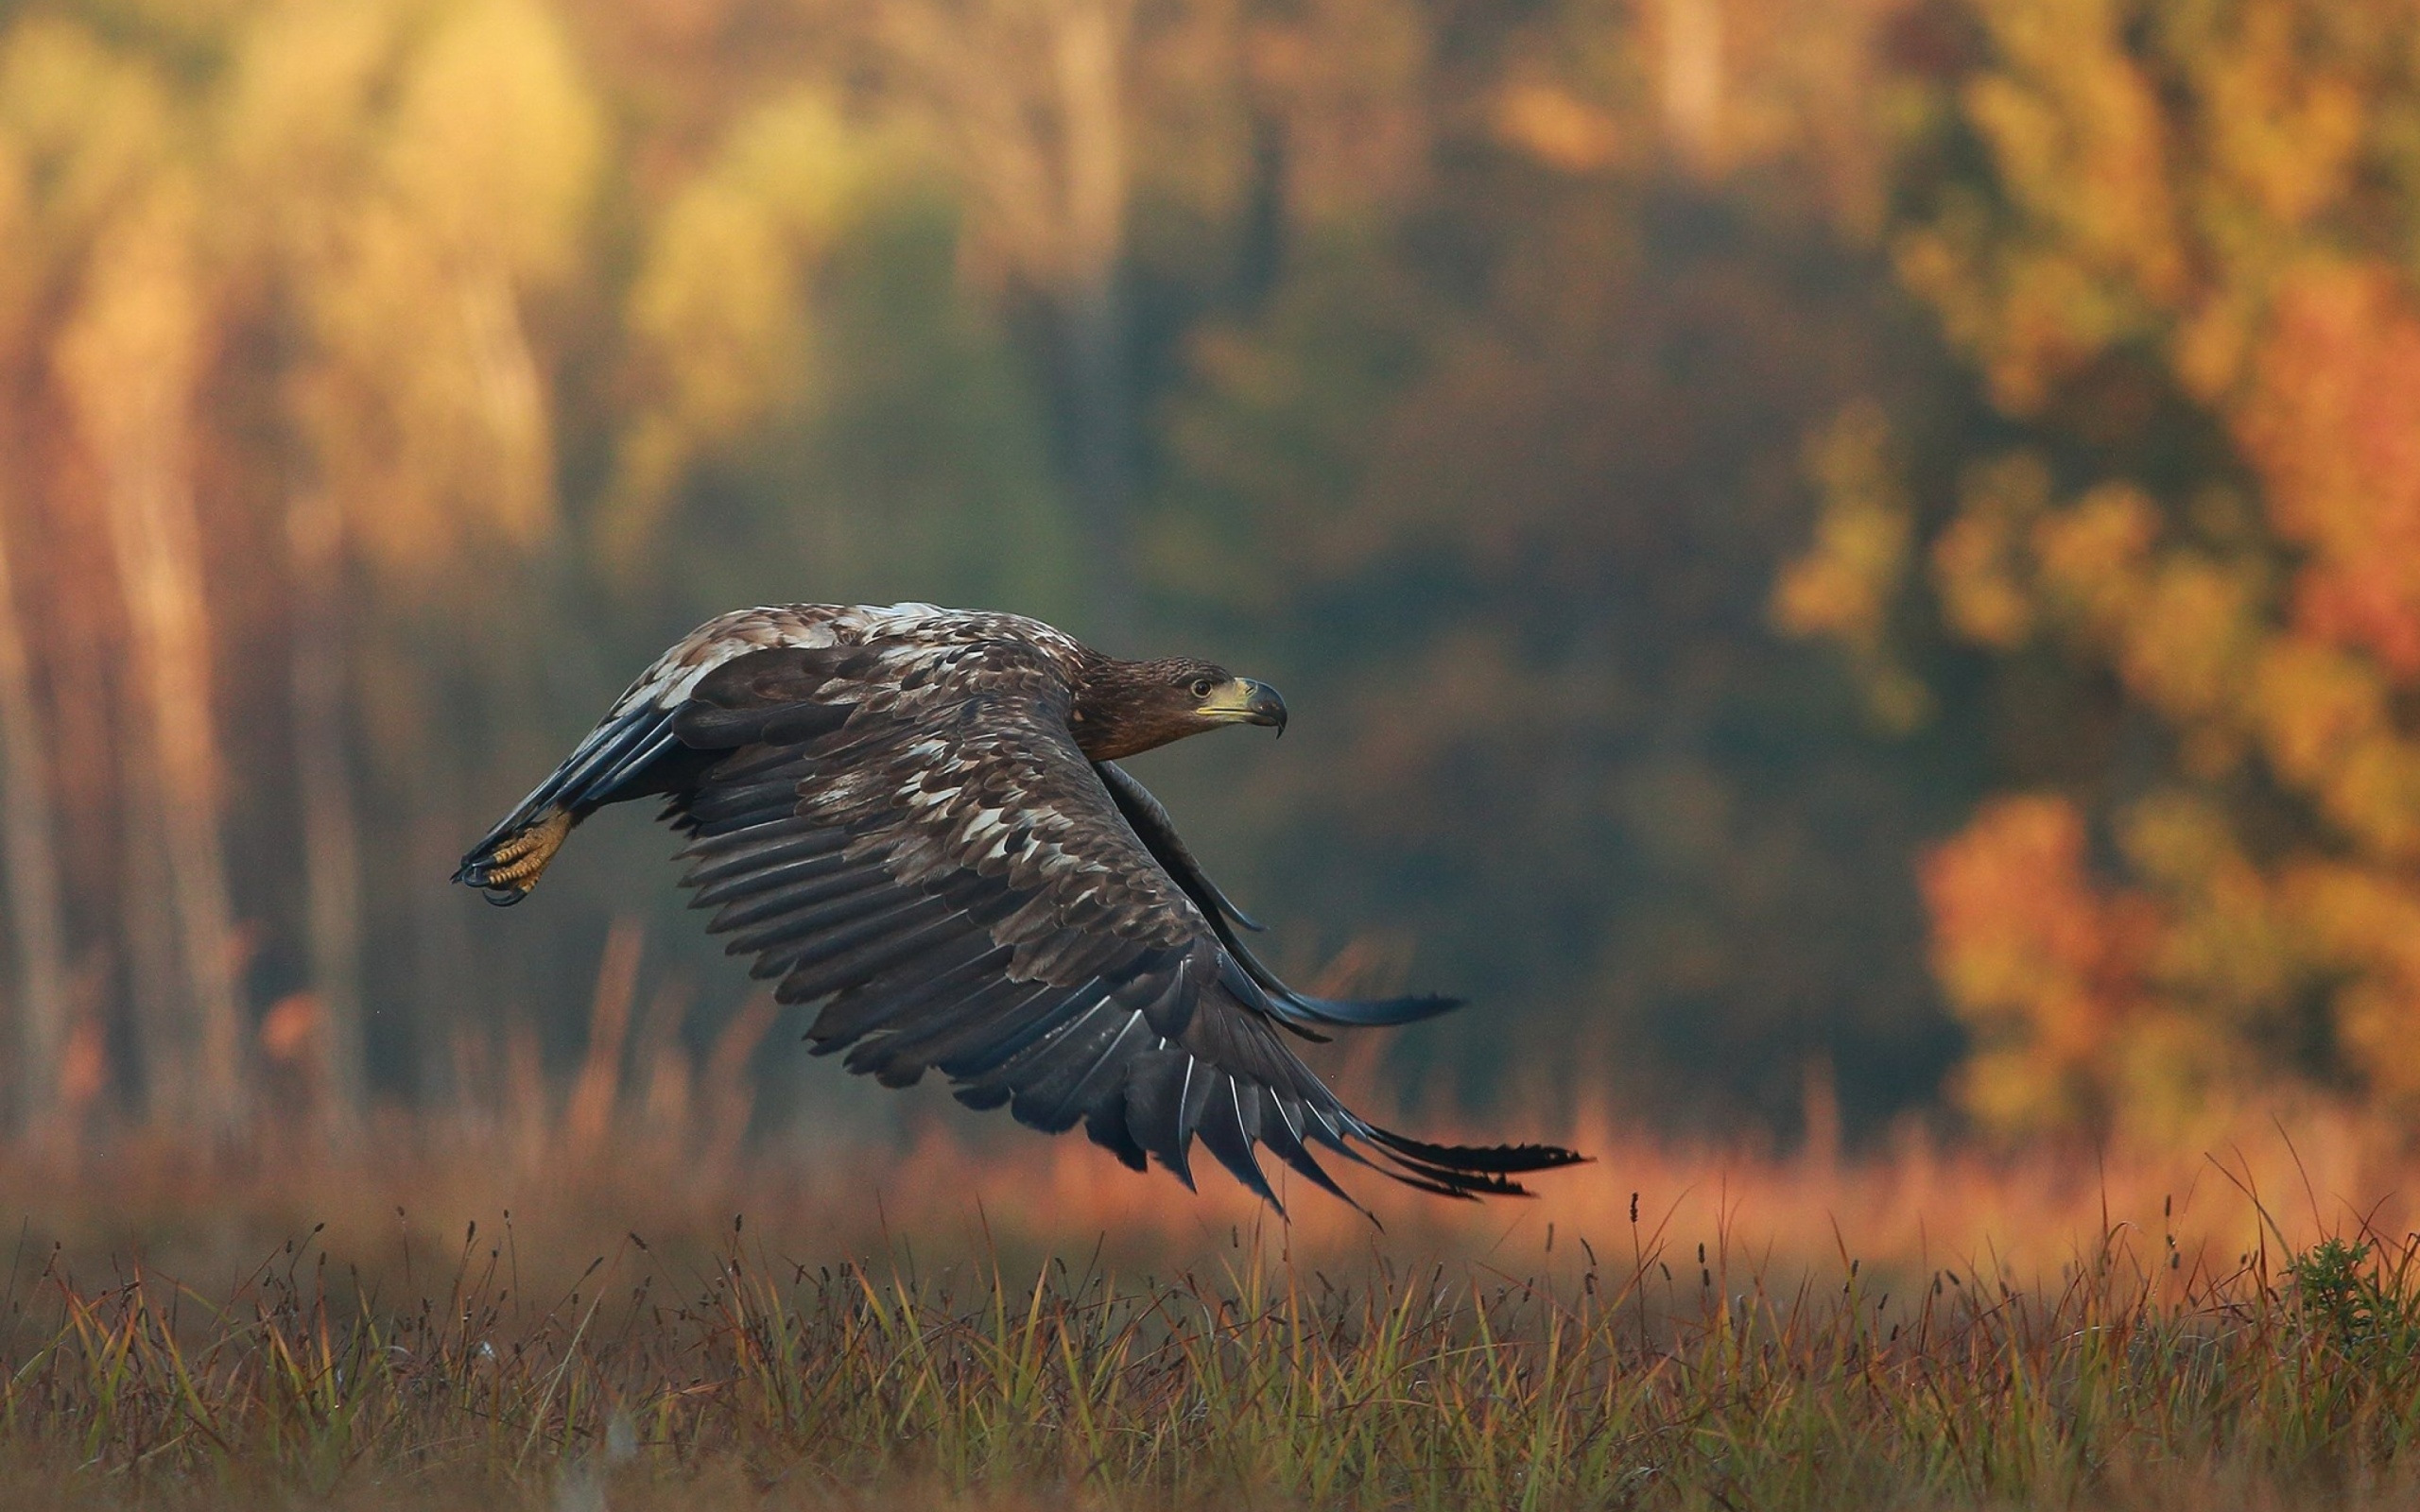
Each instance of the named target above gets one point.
<point>1244,701</point>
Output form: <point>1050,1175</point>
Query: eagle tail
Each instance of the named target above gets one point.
<point>1301,1009</point>
<point>1463,1170</point>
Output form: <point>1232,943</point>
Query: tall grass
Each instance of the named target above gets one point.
<point>1638,1367</point>
<point>546,1298</point>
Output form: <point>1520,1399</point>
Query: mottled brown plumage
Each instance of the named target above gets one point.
<point>913,817</point>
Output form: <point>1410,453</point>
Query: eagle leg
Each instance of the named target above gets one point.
<point>507,868</point>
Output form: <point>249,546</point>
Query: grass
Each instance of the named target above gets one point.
<point>2221,1353</point>
<point>546,1300</point>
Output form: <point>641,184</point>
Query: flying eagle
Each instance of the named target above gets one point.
<point>915,816</point>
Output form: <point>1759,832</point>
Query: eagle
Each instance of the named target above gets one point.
<point>914,816</point>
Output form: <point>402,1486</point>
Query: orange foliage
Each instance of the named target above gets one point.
<point>2204,629</point>
<point>2047,964</point>
<point>2333,426</point>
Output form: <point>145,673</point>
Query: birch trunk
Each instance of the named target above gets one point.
<point>31,865</point>
<point>130,358</point>
<point>1693,79</point>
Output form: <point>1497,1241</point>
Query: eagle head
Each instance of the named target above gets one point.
<point>1124,706</point>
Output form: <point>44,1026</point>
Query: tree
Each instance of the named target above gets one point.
<point>2173,244</point>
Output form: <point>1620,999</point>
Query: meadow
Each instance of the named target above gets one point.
<point>475,1312</point>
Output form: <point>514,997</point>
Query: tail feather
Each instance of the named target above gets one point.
<point>1297,1008</point>
<point>1465,1170</point>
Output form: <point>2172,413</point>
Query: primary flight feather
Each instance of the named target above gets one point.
<point>914,816</point>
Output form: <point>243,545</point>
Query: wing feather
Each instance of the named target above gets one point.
<point>951,975</point>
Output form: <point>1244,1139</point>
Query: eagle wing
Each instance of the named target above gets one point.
<point>893,819</point>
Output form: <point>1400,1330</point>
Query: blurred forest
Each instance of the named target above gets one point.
<point>1827,554</point>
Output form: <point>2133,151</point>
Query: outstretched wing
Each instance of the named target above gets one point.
<point>906,829</point>
<point>633,751</point>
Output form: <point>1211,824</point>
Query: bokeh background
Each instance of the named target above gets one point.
<point>1836,561</point>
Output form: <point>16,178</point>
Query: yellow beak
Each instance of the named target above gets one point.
<point>1243,701</point>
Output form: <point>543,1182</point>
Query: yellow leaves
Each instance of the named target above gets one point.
<point>2225,948</point>
<point>2185,645</point>
<point>2077,133</point>
<point>1978,561</point>
<point>1973,566</point>
<point>447,155</point>
<point>2376,796</point>
<point>1844,586</point>
<point>2099,1005</point>
<point>297,116</point>
<point>719,313</point>
<point>404,174</point>
<point>2150,173</point>
<point>2221,188</point>
<point>2313,367</point>
<point>495,142</point>
<point>2092,552</point>
<point>2313,703</point>
<point>2364,926</point>
<point>90,126</point>
<point>2087,250</point>
<point>2180,625</point>
<point>2280,134</point>
<point>2327,726</point>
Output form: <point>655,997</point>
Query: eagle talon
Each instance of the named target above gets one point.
<point>507,868</point>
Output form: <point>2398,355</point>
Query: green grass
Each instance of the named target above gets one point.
<point>1657,1380</point>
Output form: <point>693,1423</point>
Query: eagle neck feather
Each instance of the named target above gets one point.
<point>1121,708</point>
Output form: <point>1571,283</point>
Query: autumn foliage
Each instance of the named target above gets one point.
<point>2175,250</point>
<point>1869,547</point>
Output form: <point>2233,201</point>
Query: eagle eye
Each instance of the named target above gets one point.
<point>1201,687</point>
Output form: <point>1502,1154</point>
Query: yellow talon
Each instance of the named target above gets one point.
<point>519,860</point>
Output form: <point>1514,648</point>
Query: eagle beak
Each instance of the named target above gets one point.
<point>1243,701</point>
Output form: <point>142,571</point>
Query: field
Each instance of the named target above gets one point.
<point>470,1313</point>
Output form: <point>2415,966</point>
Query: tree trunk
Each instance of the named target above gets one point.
<point>131,357</point>
<point>31,865</point>
<point>331,842</point>
<point>1692,81</point>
